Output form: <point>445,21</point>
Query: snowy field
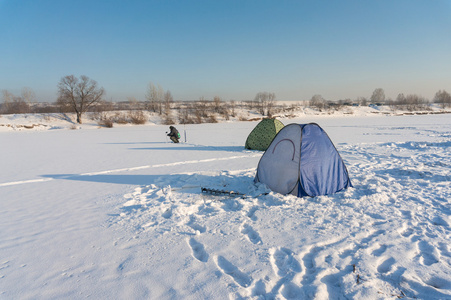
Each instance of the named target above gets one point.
<point>119,214</point>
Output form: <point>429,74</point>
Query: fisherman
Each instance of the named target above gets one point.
<point>174,134</point>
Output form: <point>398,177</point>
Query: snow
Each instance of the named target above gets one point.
<point>118,213</point>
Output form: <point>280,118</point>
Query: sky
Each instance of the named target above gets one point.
<point>231,49</point>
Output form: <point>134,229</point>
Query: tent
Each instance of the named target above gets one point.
<point>303,161</point>
<point>262,135</point>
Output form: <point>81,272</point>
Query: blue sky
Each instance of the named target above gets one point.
<point>231,49</point>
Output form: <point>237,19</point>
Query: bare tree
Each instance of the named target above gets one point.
<point>232,107</point>
<point>401,99</point>
<point>415,102</point>
<point>79,94</point>
<point>378,96</point>
<point>250,104</point>
<point>160,93</point>
<point>201,109</point>
<point>8,99</point>
<point>261,99</point>
<point>168,99</point>
<point>317,101</point>
<point>152,97</point>
<point>133,103</point>
<point>17,104</point>
<point>265,102</point>
<point>155,95</point>
<point>362,101</point>
<point>217,104</point>
<point>443,97</point>
<point>28,95</point>
<point>270,104</point>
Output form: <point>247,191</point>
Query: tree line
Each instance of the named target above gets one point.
<point>83,94</point>
<point>410,102</point>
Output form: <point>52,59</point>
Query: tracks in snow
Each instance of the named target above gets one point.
<point>39,180</point>
<point>373,239</point>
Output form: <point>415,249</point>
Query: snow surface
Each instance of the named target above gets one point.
<point>119,214</point>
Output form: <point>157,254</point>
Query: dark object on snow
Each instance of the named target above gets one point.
<point>174,134</point>
<point>303,161</point>
<point>219,192</point>
<point>228,193</point>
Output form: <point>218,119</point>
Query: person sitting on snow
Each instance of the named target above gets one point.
<point>174,134</point>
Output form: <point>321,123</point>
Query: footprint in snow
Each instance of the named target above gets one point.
<point>251,213</point>
<point>195,225</point>
<point>386,265</point>
<point>365,241</point>
<point>198,249</point>
<point>439,221</point>
<point>444,249</point>
<point>406,214</point>
<point>251,234</point>
<point>228,268</point>
<point>231,205</point>
<point>438,283</point>
<point>379,251</point>
<point>283,262</point>
<point>259,289</point>
<point>427,256</point>
<point>285,266</point>
<point>407,232</point>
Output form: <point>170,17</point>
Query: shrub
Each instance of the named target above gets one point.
<point>105,121</point>
<point>120,118</point>
<point>137,117</point>
<point>108,123</point>
<point>211,119</point>
<point>197,118</point>
<point>168,120</point>
<point>185,117</point>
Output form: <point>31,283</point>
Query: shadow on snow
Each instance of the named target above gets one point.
<point>177,182</point>
<point>196,148</point>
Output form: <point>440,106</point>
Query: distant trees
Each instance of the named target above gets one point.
<point>318,101</point>
<point>378,96</point>
<point>158,100</point>
<point>78,94</point>
<point>13,104</point>
<point>217,103</point>
<point>415,102</point>
<point>168,100</point>
<point>155,96</point>
<point>400,98</point>
<point>362,101</point>
<point>443,98</point>
<point>265,102</point>
<point>410,102</point>
<point>83,94</point>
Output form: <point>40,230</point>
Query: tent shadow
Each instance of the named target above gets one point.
<point>135,143</point>
<point>108,178</point>
<point>177,181</point>
<point>198,148</point>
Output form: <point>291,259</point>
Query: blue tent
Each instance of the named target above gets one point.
<point>303,161</point>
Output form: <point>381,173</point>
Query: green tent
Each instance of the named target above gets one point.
<point>261,137</point>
